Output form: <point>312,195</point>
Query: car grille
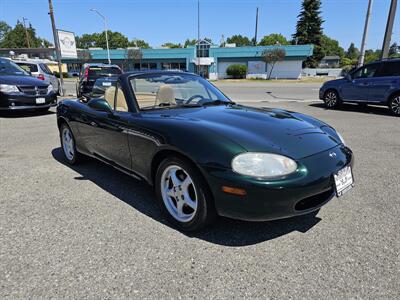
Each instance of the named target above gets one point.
<point>33,90</point>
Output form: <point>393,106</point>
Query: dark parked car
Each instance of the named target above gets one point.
<point>18,90</point>
<point>90,73</point>
<point>206,155</point>
<point>376,83</point>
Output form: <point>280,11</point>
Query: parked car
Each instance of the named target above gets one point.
<point>206,155</point>
<point>375,83</point>
<point>90,73</point>
<point>41,71</point>
<point>19,90</point>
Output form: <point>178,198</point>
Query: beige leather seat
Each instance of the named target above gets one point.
<point>165,95</point>
<point>109,96</point>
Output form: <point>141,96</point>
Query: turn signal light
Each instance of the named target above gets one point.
<point>234,191</point>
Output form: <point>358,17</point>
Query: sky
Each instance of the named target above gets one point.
<point>160,21</point>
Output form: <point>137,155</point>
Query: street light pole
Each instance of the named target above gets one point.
<point>105,27</point>
<point>364,38</point>
<point>57,45</point>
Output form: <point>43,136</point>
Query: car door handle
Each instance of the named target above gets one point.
<point>93,124</point>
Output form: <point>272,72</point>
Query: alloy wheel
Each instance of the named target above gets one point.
<point>330,99</point>
<point>179,193</point>
<point>395,105</point>
<point>68,143</point>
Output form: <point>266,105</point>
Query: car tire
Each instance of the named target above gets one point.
<point>68,145</point>
<point>183,195</point>
<point>332,99</point>
<point>394,105</point>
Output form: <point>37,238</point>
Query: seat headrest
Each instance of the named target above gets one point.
<point>165,94</point>
<point>109,95</point>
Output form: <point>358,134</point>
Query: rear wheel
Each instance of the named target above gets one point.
<point>394,105</point>
<point>332,99</point>
<point>183,195</point>
<point>68,145</point>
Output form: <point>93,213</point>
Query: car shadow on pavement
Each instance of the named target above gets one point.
<point>24,114</point>
<point>140,196</point>
<point>366,109</point>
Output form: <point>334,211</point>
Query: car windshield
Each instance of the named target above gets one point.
<point>154,91</point>
<point>9,68</point>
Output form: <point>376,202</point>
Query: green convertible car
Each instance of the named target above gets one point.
<point>205,155</point>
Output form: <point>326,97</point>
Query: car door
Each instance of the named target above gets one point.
<point>50,76</point>
<point>358,84</point>
<point>109,138</point>
<point>386,80</point>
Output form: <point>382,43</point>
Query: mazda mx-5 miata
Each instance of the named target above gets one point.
<point>205,155</point>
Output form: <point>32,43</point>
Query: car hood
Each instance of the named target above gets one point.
<point>21,80</point>
<point>262,130</point>
<point>335,82</point>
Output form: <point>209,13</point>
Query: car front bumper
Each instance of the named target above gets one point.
<point>26,102</point>
<point>301,193</point>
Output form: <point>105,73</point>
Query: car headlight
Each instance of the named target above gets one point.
<point>49,88</point>
<point>8,88</point>
<point>265,165</point>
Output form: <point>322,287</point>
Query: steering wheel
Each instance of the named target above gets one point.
<point>194,97</point>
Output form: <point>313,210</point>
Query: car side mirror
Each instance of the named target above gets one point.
<point>100,105</point>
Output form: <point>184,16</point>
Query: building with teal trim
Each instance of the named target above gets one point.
<point>205,59</point>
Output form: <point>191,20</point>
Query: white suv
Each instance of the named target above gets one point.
<point>41,71</point>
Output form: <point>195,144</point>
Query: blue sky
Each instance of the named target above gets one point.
<point>159,21</point>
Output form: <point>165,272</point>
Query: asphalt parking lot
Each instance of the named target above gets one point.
<point>92,232</point>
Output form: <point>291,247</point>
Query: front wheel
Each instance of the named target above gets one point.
<point>68,145</point>
<point>332,99</point>
<point>394,105</point>
<point>183,195</point>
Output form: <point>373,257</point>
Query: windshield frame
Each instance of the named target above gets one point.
<point>206,84</point>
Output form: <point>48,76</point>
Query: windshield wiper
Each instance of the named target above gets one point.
<point>218,102</point>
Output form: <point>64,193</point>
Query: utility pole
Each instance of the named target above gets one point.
<point>364,38</point>
<point>389,29</point>
<point>26,32</point>
<point>57,45</point>
<point>255,34</point>
<point>106,30</point>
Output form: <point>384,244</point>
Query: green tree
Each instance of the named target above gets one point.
<point>330,46</point>
<point>115,40</point>
<point>189,43</point>
<point>86,41</point>
<point>309,30</point>
<point>273,39</point>
<point>239,40</point>
<point>4,29</point>
<point>16,37</point>
<point>372,55</point>
<point>394,50</point>
<point>352,52</point>
<point>272,56</point>
<point>171,45</point>
<point>139,43</point>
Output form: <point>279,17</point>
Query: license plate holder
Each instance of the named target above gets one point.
<point>40,100</point>
<point>344,181</point>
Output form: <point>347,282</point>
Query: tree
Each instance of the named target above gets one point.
<point>372,55</point>
<point>16,37</point>
<point>115,40</point>
<point>189,43</point>
<point>239,40</point>
<point>352,52</point>
<point>4,29</point>
<point>394,50</point>
<point>139,43</point>
<point>272,56</point>
<point>86,41</point>
<point>131,56</point>
<point>237,71</point>
<point>331,47</point>
<point>309,30</point>
<point>273,39</point>
<point>171,45</point>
